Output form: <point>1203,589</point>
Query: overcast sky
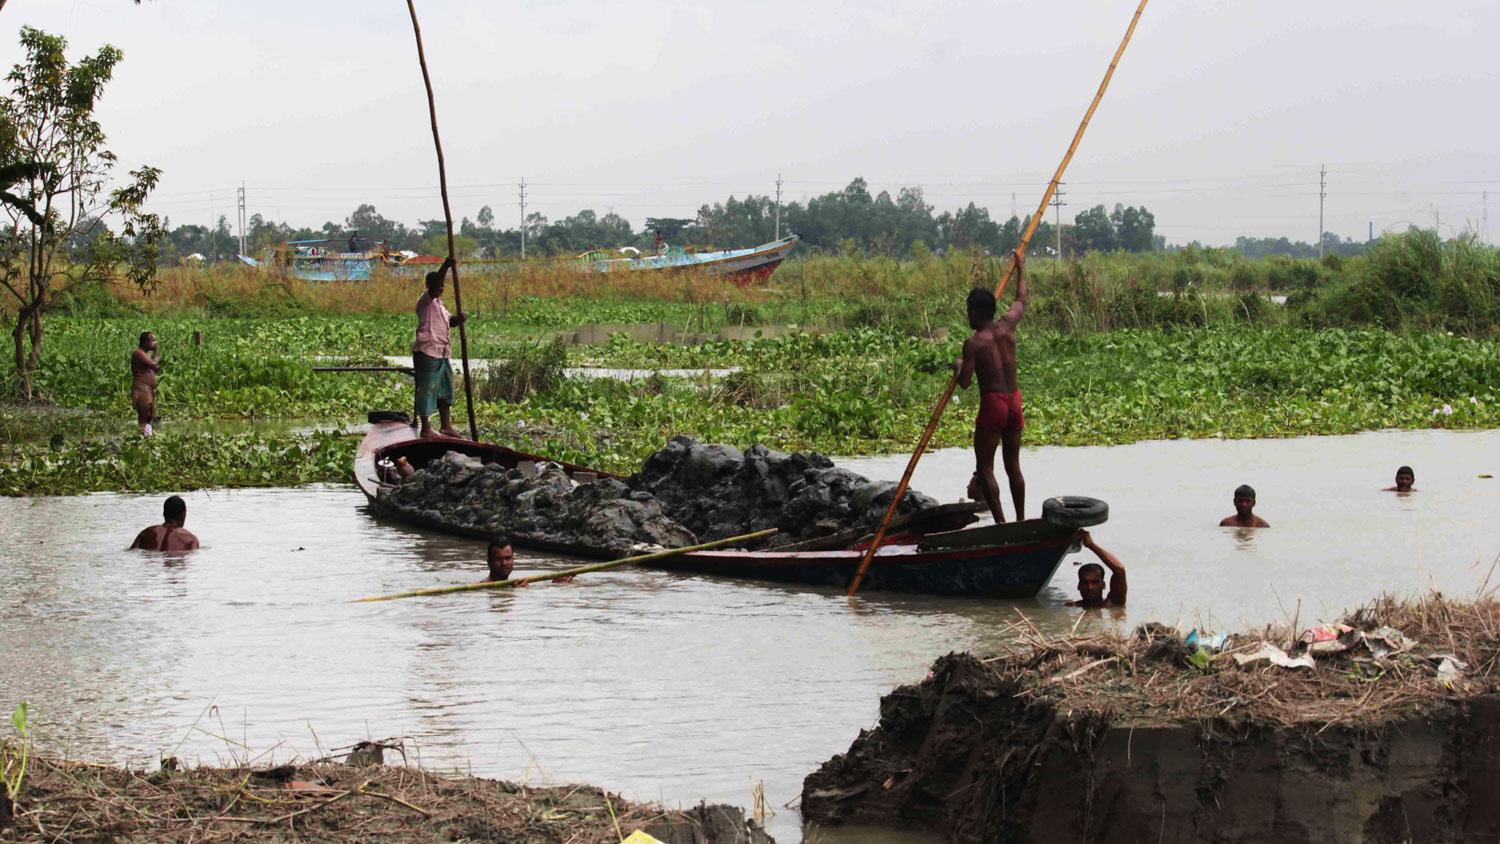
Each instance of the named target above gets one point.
<point>1218,119</point>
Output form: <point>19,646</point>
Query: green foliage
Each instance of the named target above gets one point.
<point>58,175</point>
<point>175,461</point>
<point>16,758</point>
<point>524,370</point>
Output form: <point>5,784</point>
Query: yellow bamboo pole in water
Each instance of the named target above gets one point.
<point>1036,219</point>
<point>538,578</point>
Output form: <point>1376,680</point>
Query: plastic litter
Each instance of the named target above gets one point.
<point>639,837</point>
<point>1450,669</point>
<point>1329,639</point>
<point>1213,642</point>
<point>1277,657</point>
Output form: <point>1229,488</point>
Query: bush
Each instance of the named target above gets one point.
<point>524,371</point>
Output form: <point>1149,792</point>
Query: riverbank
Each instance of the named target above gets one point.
<point>1383,729</point>
<point>332,802</point>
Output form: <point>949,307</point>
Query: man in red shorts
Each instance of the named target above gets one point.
<point>990,355</point>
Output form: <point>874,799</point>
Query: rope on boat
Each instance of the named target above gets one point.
<point>458,297</point>
<point>1036,219</point>
<point>538,578</point>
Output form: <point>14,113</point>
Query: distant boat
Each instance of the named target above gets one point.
<point>753,263</point>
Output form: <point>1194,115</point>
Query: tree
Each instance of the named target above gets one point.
<point>1095,230</point>
<point>49,135</point>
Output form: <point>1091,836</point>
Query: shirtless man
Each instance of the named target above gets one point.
<point>501,559</point>
<point>143,369</point>
<point>1091,578</point>
<point>170,535</point>
<point>990,355</point>
<point>1405,477</point>
<point>1244,504</point>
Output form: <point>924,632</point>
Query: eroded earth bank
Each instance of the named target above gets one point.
<point>1384,729</point>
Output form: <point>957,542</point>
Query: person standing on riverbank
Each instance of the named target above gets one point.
<point>1091,578</point>
<point>1405,477</point>
<point>990,355</point>
<point>170,535</point>
<point>143,368</point>
<point>430,353</point>
<point>1244,507</point>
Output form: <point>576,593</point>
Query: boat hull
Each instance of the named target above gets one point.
<point>1017,569</point>
<point>1014,560</point>
<point>744,265</point>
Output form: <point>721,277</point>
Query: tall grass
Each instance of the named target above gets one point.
<point>1408,281</point>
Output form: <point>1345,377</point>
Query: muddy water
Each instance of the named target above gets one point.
<point>661,686</point>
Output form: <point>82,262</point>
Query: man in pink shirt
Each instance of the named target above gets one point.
<point>430,355</point>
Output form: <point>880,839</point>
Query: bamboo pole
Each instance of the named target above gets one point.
<point>437,142</point>
<point>538,578</point>
<point>1036,219</point>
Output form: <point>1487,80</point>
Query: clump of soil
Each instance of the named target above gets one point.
<point>326,802</point>
<point>688,492</point>
<point>1148,738</point>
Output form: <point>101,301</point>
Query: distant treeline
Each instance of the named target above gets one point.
<point>848,222</point>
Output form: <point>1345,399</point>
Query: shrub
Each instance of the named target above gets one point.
<point>524,371</point>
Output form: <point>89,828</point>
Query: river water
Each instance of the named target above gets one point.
<point>661,686</point>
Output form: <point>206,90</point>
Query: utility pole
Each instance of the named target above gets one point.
<point>523,217</point>
<point>1371,238</point>
<point>1012,205</point>
<point>1057,202</point>
<point>778,206</point>
<point>1484,219</point>
<point>1322,193</point>
<point>242,217</point>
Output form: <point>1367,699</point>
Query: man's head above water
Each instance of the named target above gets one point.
<point>500,557</point>
<point>1244,500</point>
<point>1405,477</point>
<point>1091,584</point>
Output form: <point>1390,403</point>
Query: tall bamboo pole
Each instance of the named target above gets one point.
<point>1036,219</point>
<point>458,296</point>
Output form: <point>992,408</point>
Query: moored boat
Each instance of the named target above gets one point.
<point>747,264</point>
<point>1013,560</point>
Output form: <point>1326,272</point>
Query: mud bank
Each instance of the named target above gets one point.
<point>326,802</point>
<point>1128,740</point>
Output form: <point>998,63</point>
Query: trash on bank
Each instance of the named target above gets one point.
<point>1277,656</point>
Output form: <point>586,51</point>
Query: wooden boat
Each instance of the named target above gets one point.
<point>756,262</point>
<point>1014,560</point>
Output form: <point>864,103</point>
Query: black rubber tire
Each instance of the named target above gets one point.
<point>388,416</point>
<point>1075,511</point>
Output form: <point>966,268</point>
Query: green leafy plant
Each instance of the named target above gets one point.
<point>15,757</point>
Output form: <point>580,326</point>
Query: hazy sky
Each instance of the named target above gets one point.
<point>1217,120</point>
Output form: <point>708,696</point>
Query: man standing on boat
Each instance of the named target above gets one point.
<point>990,355</point>
<point>430,355</point>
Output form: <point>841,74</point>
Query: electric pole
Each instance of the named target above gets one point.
<point>1057,202</point>
<point>778,206</point>
<point>523,217</point>
<point>241,198</point>
<point>1484,219</point>
<point>1322,193</point>
<point>1012,205</point>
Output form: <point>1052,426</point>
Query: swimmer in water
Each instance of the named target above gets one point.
<point>1405,477</point>
<point>1244,504</point>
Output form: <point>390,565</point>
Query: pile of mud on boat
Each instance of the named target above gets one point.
<point>691,492</point>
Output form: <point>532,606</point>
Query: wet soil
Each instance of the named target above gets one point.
<point>999,750</point>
